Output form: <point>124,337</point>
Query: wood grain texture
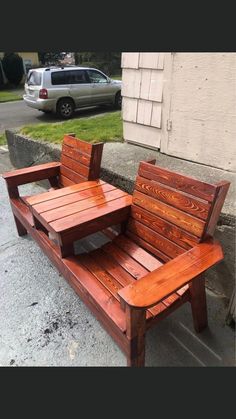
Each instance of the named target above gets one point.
<point>94,213</point>
<point>95,164</point>
<point>163,227</point>
<point>137,253</point>
<point>176,199</point>
<point>32,174</point>
<point>77,144</point>
<point>145,245</point>
<point>43,197</point>
<point>126,261</point>
<point>82,204</point>
<point>76,154</point>
<point>71,175</point>
<point>158,241</point>
<point>73,198</point>
<point>162,282</point>
<point>221,192</point>
<point>177,181</point>
<point>75,166</point>
<point>198,303</point>
<point>175,216</point>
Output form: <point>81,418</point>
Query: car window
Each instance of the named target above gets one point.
<point>34,78</point>
<point>60,77</point>
<point>78,77</point>
<point>96,77</point>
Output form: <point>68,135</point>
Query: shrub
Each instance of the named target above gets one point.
<point>13,67</point>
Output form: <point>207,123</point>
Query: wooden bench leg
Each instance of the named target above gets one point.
<point>136,322</point>
<point>198,303</point>
<point>20,228</point>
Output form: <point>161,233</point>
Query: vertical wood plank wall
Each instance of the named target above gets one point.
<point>142,91</point>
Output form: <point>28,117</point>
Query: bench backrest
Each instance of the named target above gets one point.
<point>171,212</point>
<point>80,160</point>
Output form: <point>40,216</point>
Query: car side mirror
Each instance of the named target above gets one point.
<point>108,80</point>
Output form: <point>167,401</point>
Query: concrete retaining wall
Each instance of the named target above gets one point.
<point>119,166</point>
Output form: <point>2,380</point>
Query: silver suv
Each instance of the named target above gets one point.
<point>62,90</point>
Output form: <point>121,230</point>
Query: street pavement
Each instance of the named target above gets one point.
<point>17,114</point>
<point>44,323</point>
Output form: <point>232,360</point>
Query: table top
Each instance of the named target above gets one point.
<point>73,206</point>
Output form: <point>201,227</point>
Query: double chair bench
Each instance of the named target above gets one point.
<point>148,269</point>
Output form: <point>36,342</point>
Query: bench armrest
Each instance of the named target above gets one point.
<point>31,174</point>
<point>162,282</point>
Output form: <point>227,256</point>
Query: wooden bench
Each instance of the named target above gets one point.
<point>80,161</point>
<point>155,265</point>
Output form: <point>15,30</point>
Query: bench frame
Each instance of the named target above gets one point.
<point>135,299</point>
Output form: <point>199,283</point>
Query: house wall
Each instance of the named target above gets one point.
<point>195,94</point>
<point>142,90</point>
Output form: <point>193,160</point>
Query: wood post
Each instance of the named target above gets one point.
<point>136,327</point>
<point>198,303</point>
<point>20,228</point>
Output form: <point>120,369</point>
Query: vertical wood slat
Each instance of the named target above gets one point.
<point>221,192</point>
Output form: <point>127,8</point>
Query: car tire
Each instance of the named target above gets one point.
<point>118,100</point>
<point>65,108</point>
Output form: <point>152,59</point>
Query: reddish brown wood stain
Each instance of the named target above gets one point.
<point>146,273</point>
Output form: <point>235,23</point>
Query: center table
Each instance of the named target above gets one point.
<point>73,212</point>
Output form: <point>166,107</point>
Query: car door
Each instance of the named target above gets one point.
<point>101,87</point>
<point>80,88</point>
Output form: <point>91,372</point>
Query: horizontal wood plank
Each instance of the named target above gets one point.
<point>81,204</point>
<point>76,155</point>
<point>72,175</point>
<point>153,250</point>
<point>176,199</point>
<point>158,241</point>
<point>78,144</point>
<point>46,196</point>
<point>170,231</point>
<point>73,198</point>
<point>175,216</point>
<point>75,166</point>
<point>177,181</point>
<point>32,174</point>
<point>95,213</point>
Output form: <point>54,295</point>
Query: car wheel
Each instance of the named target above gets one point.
<point>65,108</point>
<point>118,100</point>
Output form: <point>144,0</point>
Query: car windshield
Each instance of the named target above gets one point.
<point>34,78</point>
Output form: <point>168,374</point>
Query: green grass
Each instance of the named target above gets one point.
<point>6,96</point>
<point>3,139</point>
<point>103,128</point>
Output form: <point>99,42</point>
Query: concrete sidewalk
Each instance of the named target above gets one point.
<point>44,323</point>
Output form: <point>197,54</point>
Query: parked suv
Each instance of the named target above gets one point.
<point>64,89</point>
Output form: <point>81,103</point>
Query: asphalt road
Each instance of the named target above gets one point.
<point>17,114</point>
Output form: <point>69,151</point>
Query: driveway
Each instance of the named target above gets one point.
<point>17,114</point>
